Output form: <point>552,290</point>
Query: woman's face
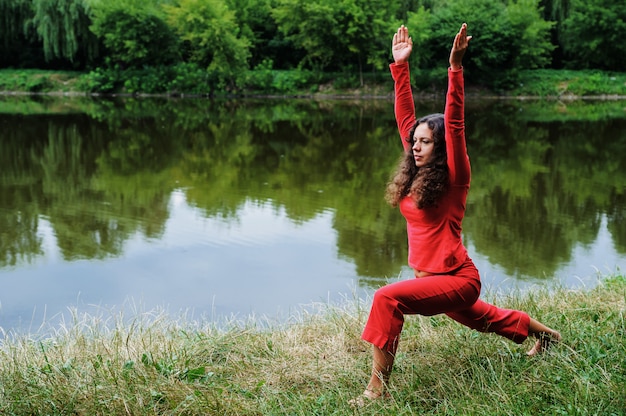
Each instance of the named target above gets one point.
<point>423,145</point>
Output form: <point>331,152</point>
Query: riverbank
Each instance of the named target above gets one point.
<point>554,84</point>
<point>153,364</point>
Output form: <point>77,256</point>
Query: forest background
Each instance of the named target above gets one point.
<point>247,47</point>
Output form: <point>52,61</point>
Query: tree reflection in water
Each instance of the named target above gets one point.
<point>258,206</point>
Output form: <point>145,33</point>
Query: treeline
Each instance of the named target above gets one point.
<point>287,45</point>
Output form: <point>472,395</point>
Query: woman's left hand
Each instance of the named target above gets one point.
<point>459,46</point>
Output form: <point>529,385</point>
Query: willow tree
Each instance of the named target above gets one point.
<point>63,27</point>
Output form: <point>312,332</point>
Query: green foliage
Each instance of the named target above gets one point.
<point>188,78</point>
<point>254,18</point>
<point>265,79</point>
<point>184,78</point>
<point>134,37</point>
<point>592,35</point>
<point>563,83</point>
<point>231,37</point>
<point>211,38</point>
<point>101,80</point>
<point>40,84</point>
<point>63,26</point>
<point>29,80</point>
<point>310,26</point>
<point>337,35</point>
<point>151,80</point>
<point>507,37</point>
<point>367,26</point>
<point>420,25</point>
<point>530,35</point>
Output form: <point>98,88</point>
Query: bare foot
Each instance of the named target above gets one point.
<point>368,396</point>
<point>544,341</point>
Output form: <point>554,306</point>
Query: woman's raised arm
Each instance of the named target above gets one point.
<point>454,115</point>
<point>404,107</point>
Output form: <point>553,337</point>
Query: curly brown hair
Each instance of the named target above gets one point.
<point>428,183</point>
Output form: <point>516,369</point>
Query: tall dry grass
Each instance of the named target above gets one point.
<point>150,363</point>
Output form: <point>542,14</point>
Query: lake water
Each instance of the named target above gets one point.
<point>260,207</point>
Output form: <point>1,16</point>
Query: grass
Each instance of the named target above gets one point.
<point>40,81</point>
<point>566,83</point>
<point>151,364</point>
<point>532,83</point>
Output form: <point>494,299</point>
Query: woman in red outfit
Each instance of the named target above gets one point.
<point>430,188</point>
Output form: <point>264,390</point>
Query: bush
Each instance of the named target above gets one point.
<point>26,80</point>
<point>189,78</point>
<point>265,79</point>
<point>38,84</point>
<point>101,80</point>
<point>179,79</point>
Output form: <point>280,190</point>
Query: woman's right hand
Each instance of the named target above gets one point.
<point>402,45</point>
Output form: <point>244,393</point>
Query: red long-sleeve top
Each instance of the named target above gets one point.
<point>434,233</point>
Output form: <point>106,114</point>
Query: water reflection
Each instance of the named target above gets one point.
<point>258,207</point>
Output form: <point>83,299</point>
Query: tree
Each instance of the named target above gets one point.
<point>533,34</point>
<point>211,38</point>
<point>63,27</point>
<point>556,11</point>
<point>341,35</point>
<point>508,37</point>
<point>420,24</point>
<point>311,27</point>
<point>593,35</point>
<point>257,24</point>
<point>368,26</point>
<point>134,35</point>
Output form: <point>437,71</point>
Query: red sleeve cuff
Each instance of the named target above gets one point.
<point>397,69</point>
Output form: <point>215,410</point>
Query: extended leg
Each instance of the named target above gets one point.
<point>509,323</point>
<point>485,317</point>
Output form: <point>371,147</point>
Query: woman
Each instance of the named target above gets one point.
<point>430,188</point>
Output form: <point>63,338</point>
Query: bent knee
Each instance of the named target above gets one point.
<point>384,296</point>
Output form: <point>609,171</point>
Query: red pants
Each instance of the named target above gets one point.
<point>454,294</point>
